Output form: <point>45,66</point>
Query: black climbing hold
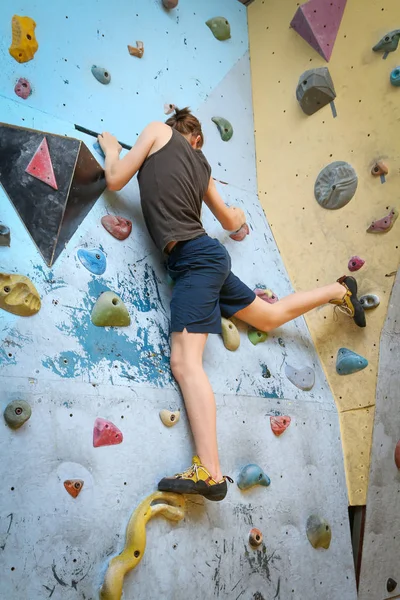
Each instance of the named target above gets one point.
<point>4,235</point>
<point>391,585</point>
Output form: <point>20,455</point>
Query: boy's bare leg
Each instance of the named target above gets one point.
<point>187,368</point>
<point>265,317</point>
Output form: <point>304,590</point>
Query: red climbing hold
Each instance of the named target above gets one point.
<point>73,486</point>
<point>397,455</point>
<point>279,424</point>
<point>119,227</point>
<point>41,167</point>
<point>106,433</point>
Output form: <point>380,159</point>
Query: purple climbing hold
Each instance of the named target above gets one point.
<point>355,263</point>
<point>318,22</point>
<point>385,223</point>
<point>23,88</point>
<point>266,295</point>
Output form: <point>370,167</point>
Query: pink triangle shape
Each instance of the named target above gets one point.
<point>318,22</point>
<point>106,433</point>
<point>41,166</point>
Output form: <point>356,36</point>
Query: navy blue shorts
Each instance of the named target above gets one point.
<point>205,288</point>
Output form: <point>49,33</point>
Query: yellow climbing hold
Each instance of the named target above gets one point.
<point>24,44</point>
<point>230,334</point>
<point>18,295</point>
<point>171,506</point>
<point>169,418</point>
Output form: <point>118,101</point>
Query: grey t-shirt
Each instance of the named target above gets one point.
<point>172,184</point>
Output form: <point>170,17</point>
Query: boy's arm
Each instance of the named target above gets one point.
<point>231,218</point>
<point>120,171</point>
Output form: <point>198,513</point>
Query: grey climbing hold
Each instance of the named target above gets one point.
<point>110,311</point>
<point>318,532</point>
<point>230,335</point>
<point>315,90</point>
<point>303,378</point>
<point>256,336</point>
<point>224,127</point>
<point>220,28</point>
<point>17,413</point>
<point>369,301</point>
<point>348,362</point>
<point>101,74</point>
<point>389,42</point>
<point>335,186</point>
<point>5,236</point>
<point>252,475</point>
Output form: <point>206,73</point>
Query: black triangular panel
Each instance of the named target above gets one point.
<point>50,216</point>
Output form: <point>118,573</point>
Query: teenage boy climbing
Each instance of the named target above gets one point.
<point>174,179</point>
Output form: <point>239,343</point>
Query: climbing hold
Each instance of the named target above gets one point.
<point>94,260</point>
<point>241,233</point>
<point>41,167</point>
<point>385,223</point>
<point>106,433</point>
<point>281,342</point>
<point>256,336</point>
<point>395,77</point>
<point>266,373</point>
<point>168,4</point>
<point>169,108</point>
<point>24,44</point>
<point>315,90</point>
<point>266,295</point>
<point>335,185</point>
<point>17,413</point>
<point>397,455</point>
<point>369,301</point>
<point>255,537</point>
<point>23,88</point>
<point>110,311</point>
<point>99,149</point>
<point>303,378</point>
<point>138,51</point>
<point>18,295</point>
<point>388,43</point>
<point>355,263</point>
<point>379,169</point>
<point>169,418</point>
<point>224,127</point>
<point>279,424</point>
<point>5,236</point>
<point>318,22</point>
<point>348,362</point>
<point>101,74</point>
<point>119,227</point>
<point>318,532</point>
<point>230,334</point>
<point>252,475</point>
<point>391,585</point>
<point>73,487</point>
<point>220,28</point>
<point>171,506</point>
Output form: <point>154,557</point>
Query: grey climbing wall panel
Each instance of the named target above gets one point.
<point>381,547</point>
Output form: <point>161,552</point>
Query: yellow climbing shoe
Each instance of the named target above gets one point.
<point>196,480</point>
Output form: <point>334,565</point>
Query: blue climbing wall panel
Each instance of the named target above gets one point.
<point>72,372</point>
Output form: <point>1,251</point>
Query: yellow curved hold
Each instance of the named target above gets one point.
<point>24,44</point>
<point>18,295</point>
<point>171,506</point>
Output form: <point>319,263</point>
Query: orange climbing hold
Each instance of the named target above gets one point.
<point>41,166</point>
<point>24,44</point>
<point>279,424</point>
<point>73,487</point>
<point>138,51</point>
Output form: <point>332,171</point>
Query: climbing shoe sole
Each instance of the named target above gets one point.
<point>214,493</point>
<point>359,314</point>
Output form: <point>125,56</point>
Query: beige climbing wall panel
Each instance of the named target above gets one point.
<point>292,148</point>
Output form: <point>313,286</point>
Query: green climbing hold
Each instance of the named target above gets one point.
<point>17,413</point>
<point>318,532</point>
<point>110,311</point>
<point>256,336</point>
<point>224,127</point>
<point>220,28</point>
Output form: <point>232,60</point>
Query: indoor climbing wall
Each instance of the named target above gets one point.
<point>299,132</point>
<point>83,440</point>
<point>381,578</point>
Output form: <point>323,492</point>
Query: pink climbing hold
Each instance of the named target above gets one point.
<point>355,263</point>
<point>279,424</point>
<point>106,433</point>
<point>23,88</point>
<point>318,22</point>
<point>241,233</point>
<point>384,224</point>
<point>266,295</point>
<point>41,166</point>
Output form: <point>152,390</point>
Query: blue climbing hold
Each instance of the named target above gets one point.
<point>94,260</point>
<point>252,475</point>
<point>348,362</point>
<point>99,149</point>
<point>395,77</point>
<point>101,74</point>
